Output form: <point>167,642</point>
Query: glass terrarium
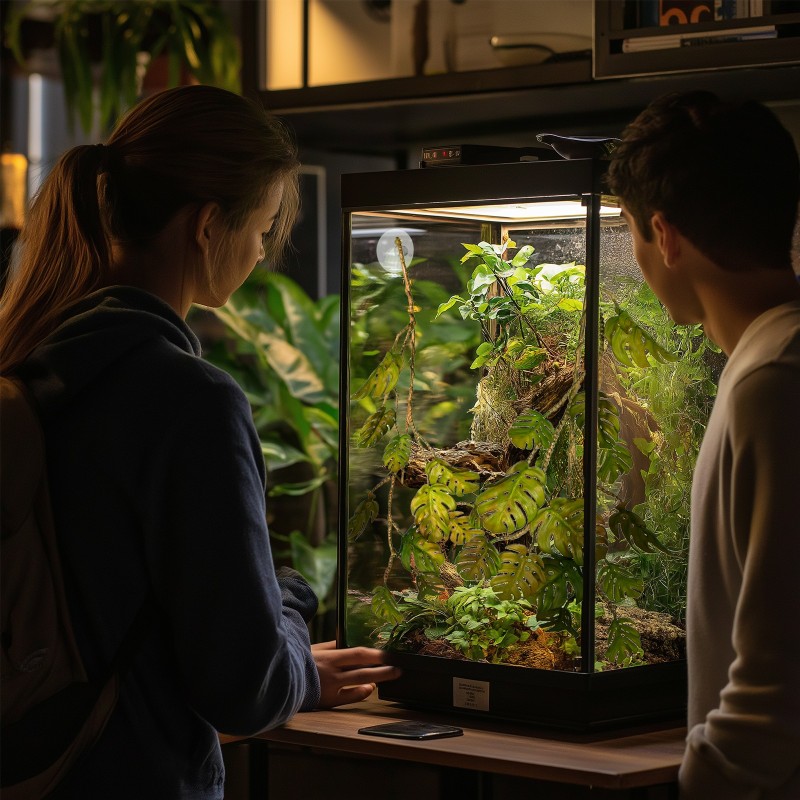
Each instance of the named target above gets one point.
<point>520,420</point>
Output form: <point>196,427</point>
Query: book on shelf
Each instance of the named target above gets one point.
<point>697,39</point>
<point>669,13</point>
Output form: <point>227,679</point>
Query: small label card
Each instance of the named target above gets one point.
<point>471,694</point>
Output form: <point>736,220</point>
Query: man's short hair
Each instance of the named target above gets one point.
<point>725,174</point>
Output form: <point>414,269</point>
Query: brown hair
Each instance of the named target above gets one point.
<point>193,144</point>
<point>725,174</point>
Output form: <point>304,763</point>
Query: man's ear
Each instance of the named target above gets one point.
<point>667,238</point>
<point>207,220</point>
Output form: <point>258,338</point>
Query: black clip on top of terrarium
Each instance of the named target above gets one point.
<point>580,146</point>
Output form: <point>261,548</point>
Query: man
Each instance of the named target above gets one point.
<point>710,191</point>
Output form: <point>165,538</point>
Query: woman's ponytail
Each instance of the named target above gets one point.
<point>63,252</point>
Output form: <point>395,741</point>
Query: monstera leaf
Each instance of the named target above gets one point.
<point>462,527</point>
<point>531,429</point>
<point>365,513</point>
<point>607,417</point>
<point>431,507</point>
<point>384,606</point>
<point>457,481</point>
<point>478,559</point>
<point>631,527</point>
<point>613,461</point>
<point>624,641</point>
<point>510,504</point>
<point>558,528</point>
<point>418,554</point>
<point>521,573</point>
<point>374,428</point>
<point>631,344</point>
<point>564,581</point>
<point>382,379</point>
<point>617,582</point>
<point>397,453</point>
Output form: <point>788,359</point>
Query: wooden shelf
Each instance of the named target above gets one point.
<point>358,118</point>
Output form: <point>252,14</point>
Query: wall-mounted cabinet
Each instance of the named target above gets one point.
<point>364,93</point>
<point>630,41</point>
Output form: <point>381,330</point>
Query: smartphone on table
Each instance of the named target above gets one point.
<point>408,729</point>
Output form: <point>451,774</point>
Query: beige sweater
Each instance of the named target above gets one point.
<point>744,576</point>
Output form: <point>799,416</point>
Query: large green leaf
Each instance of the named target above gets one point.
<point>531,429</point>
<point>364,515</point>
<point>431,507</point>
<point>376,425</point>
<point>612,461</point>
<point>458,481</point>
<point>631,344</point>
<point>558,528</point>
<point>384,606</point>
<point>617,581</point>
<point>624,642</point>
<point>462,527</point>
<point>478,559</point>
<point>397,452</point>
<point>301,324</point>
<point>511,503</point>
<point>632,528</point>
<point>419,554</point>
<point>382,379</point>
<point>564,582</point>
<point>521,573</point>
<point>316,564</point>
<point>608,423</point>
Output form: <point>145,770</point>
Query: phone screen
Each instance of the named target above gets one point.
<point>412,730</point>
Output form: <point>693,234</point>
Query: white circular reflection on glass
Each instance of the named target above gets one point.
<point>388,256</point>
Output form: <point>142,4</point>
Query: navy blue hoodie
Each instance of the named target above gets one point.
<point>157,482</point>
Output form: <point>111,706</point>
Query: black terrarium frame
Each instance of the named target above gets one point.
<point>495,546</point>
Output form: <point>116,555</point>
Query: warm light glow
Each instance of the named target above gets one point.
<point>509,212</point>
<point>284,44</point>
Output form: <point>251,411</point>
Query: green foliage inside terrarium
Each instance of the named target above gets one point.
<point>478,504</point>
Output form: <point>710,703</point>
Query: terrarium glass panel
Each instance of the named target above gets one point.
<point>520,431</point>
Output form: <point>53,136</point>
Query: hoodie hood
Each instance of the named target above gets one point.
<point>97,332</point>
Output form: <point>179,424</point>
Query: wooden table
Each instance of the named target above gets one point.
<point>640,763</point>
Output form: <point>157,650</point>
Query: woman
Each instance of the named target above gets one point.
<point>155,468</point>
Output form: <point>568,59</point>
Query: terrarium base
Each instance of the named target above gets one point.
<point>573,701</point>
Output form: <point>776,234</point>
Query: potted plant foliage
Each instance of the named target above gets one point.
<point>106,47</point>
<point>283,350</point>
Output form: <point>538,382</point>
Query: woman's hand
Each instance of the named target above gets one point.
<point>349,675</point>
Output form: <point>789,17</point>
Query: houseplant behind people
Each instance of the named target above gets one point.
<point>156,472</point>
<point>710,191</point>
